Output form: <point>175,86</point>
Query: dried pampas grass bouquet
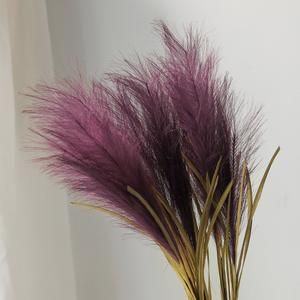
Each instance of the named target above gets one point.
<point>165,147</point>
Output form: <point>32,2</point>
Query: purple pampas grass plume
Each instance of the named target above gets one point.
<point>156,128</point>
<point>208,113</point>
<point>88,151</point>
<point>164,147</point>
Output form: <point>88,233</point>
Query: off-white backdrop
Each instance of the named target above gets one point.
<point>259,43</point>
<point>35,250</point>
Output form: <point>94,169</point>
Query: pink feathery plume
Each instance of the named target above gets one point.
<point>89,150</point>
<point>209,115</point>
<point>165,147</point>
<point>140,129</point>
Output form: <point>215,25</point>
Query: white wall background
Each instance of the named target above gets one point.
<point>259,43</point>
<point>35,248</point>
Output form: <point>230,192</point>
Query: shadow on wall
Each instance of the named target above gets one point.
<point>98,34</point>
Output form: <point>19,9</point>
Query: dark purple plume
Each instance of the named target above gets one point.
<point>148,113</point>
<point>208,114</point>
<point>136,128</point>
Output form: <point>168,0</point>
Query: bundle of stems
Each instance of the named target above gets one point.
<point>162,146</point>
<point>193,266</point>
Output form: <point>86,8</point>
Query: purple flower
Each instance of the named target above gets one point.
<point>140,129</point>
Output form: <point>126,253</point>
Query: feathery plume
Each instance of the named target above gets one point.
<point>160,147</point>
